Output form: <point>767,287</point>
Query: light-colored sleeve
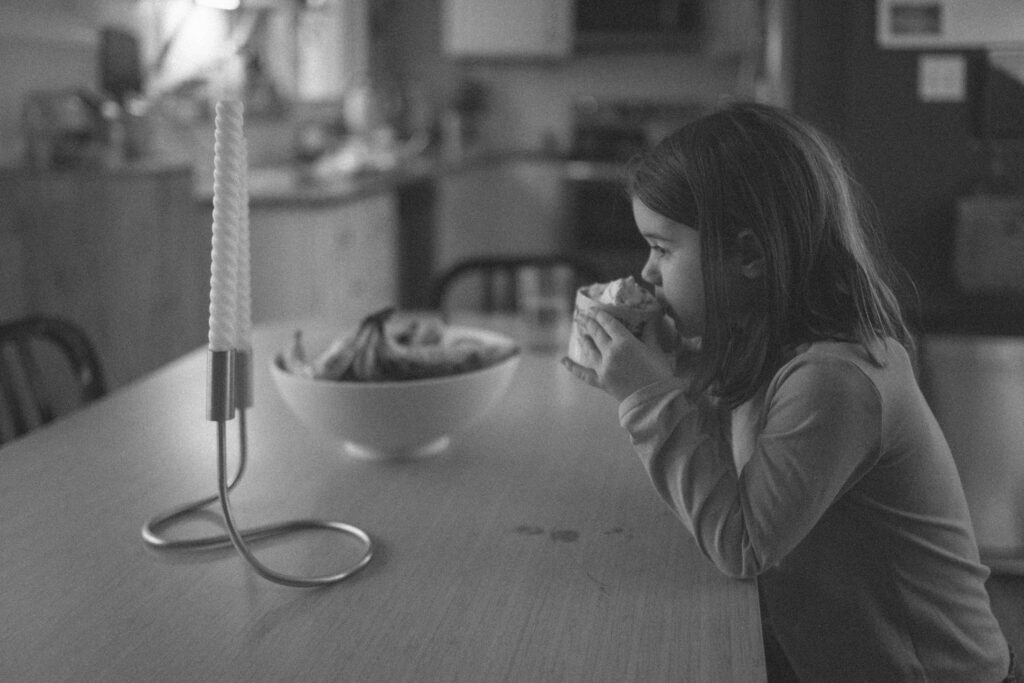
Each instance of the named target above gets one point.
<point>822,431</point>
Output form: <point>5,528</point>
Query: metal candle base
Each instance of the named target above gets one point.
<point>223,391</point>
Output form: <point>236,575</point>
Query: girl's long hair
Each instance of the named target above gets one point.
<point>751,167</point>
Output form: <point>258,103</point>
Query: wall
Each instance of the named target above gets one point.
<point>914,158</point>
<point>54,45</point>
<point>39,48</point>
<point>49,45</point>
<point>530,102</point>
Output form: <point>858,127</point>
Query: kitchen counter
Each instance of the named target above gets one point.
<point>289,184</point>
<point>136,169</point>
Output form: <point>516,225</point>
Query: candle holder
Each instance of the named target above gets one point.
<point>230,390</point>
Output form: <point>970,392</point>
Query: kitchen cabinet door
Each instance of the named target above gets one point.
<point>336,262</point>
<point>975,386</point>
<point>507,28</point>
<point>733,26</point>
<point>507,208</point>
<point>989,246</point>
<point>124,253</point>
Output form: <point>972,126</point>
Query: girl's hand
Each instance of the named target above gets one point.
<point>617,362</point>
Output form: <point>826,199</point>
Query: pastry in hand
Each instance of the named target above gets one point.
<point>624,299</point>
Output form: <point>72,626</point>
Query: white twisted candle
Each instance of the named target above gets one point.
<point>243,319</point>
<point>226,215</point>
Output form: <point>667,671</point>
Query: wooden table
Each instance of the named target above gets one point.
<point>534,549</point>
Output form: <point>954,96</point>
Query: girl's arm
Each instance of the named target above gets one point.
<point>821,432</point>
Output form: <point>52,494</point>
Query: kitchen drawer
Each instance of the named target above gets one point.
<point>989,247</point>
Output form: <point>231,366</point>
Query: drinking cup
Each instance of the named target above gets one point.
<point>544,303</point>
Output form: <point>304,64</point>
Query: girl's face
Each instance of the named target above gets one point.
<point>673,267</point>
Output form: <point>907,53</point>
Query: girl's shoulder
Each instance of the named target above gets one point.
<point>878,352</point>
<point>846,363</point>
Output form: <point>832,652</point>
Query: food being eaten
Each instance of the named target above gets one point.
<point>381,351</point>
<point>622,292</point>
<point>624,299</point>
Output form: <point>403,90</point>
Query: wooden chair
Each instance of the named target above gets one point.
<point>490,284</point>
<point>48,367</point>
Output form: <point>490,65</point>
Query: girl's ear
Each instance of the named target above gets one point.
<point>750,255</point>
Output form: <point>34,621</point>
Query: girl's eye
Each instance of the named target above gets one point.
<point>659,250</point>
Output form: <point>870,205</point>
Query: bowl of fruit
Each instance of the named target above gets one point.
<point>396,386</point>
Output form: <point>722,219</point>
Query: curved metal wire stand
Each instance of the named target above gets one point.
<point>225,367</point>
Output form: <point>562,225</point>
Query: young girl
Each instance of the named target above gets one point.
<point>793,441</point>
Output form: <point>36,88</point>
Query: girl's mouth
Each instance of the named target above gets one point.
<point>666,307</point>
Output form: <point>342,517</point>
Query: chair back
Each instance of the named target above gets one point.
<point>48,367</point>
<point>491,284</point>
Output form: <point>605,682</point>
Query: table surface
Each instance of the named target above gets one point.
<point>533,549</point>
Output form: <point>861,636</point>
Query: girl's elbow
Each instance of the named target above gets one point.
<point>736,560</point>
<point>737,567</point>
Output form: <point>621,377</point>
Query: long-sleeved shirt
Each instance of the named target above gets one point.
<point>849,510</point>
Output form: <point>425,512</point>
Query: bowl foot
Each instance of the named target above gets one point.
<point>436,446</point>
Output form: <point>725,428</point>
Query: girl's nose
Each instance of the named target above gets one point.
<point>650,273</point>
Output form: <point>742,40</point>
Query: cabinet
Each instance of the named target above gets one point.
<point>989,246</point>
<point>125,253</point>
<point>511,207</point>
<point>548,28</point>
<point>973,384</point>
<point>507,28</point>
<point>733,27</point>
<point>335,261</point>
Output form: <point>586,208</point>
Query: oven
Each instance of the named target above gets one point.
<point>606,134</point>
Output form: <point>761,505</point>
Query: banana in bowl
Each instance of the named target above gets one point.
<point>396,390</point>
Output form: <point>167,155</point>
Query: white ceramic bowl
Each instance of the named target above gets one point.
<point>406,418</point>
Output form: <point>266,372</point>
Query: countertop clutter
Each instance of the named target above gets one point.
<point>298,184</point>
